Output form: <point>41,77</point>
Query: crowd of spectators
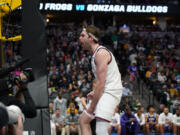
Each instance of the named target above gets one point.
<point>141,54</point>
<point>12,53</point>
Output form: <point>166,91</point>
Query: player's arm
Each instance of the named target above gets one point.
<point>143,121</point>
<point>160,119</point>
<point>157,118</point>
<point>101,60</point>
<point>146,119</point>
<point>171,119</point>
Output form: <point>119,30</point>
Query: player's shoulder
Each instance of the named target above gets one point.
<point>170,114</point>
<point>102,54</point>
<point>102,51</point>
<point>161,114</point>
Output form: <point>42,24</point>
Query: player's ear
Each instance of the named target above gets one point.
<point>92,39</point>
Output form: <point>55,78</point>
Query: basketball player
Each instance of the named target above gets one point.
<point>166,121</point>
<point>176,122</point>
<point>151,120</point>
<point>107,94</point>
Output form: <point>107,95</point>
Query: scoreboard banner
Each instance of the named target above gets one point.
<point>110,8</point>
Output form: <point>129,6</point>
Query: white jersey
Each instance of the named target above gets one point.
<point>141,119</point>
<point>113,84</point>
<point>176,120</point>
<point>164,118</point>
<point>115,119</point>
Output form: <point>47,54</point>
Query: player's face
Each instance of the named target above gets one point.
<point>57,112</point>
<point>129,111</point>
<point>166,111</point>
<point>84,40</point>
<point>151,110</point>
<point>139,111</point>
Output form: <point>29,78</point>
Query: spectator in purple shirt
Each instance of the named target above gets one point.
<point>132,69</point>
<point>129,123</point>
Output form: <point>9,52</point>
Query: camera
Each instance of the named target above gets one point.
<point>7,83</point>
<point>8,77</point>
<point>17,79</point>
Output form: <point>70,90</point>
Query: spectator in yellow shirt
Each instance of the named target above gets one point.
<point>173,91</point>
<point>72,106</point>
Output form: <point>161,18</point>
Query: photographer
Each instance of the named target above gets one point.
<point>28,107</point>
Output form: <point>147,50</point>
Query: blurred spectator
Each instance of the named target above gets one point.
<point>78,100</point>
<point>115,122</point>
<point>132,70</point>
<point>60,103</point>
<point>72,106</point>
<point>178,86</point>
<point>125,102</point>
<point>53,127</point>
<point>129,123</point>
<point>166,121</point>
<point>51,108</point>
<point>135,105</point>
<point>161,108</point>
<point>51,87</point>
<point>164,96</point>
<point>59,121</point>
<point>141,119</point>
<point>176,122</point>
<point>72,100</point>
<point>173,91</point>
<point>126,90</point>
<point>72,123</point>
<point>175,104</point>
<point>161,77</point>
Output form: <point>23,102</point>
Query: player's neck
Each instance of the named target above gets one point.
<point>139,114</point>
<point>94,47</point>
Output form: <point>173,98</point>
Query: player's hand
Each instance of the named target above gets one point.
<point>168,122</point>
<point>21,86</point>
<point>132,119</point>
<point>90,110</point>
<point>90,95</point>
<point>73,124</point>
<point>57,125</point>
<point>22,76</point>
